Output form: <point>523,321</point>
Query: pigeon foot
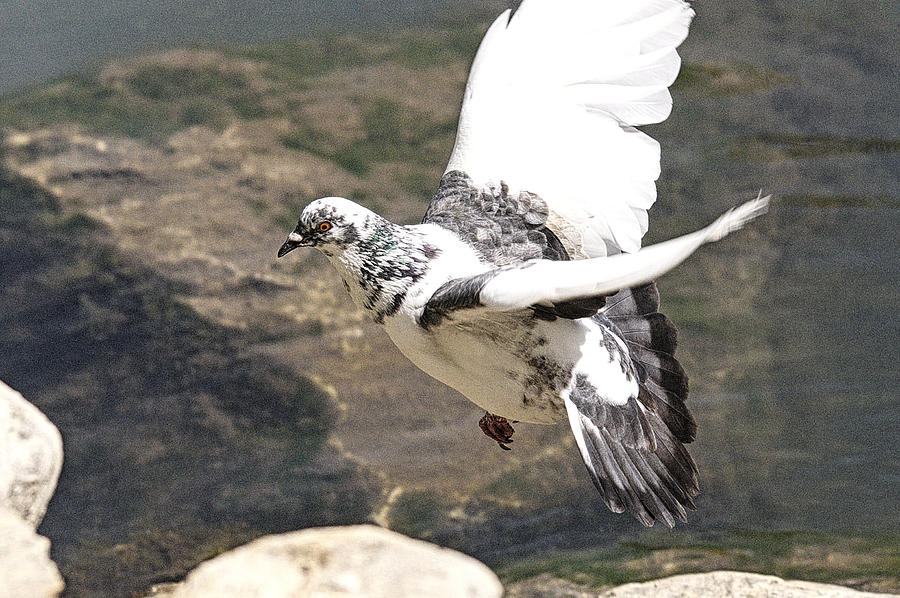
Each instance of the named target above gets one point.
<point>497,428</point>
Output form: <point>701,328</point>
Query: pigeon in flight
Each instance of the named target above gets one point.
<point>525,287</point>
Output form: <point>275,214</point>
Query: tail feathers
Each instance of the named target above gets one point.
<point>670,408</point>
<point>652,338</point>
<point>661,368</point>
<point>653,482</point>
<point>634,452</point>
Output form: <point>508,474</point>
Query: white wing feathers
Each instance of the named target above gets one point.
<point>551,104</point>
<point>546,281</point>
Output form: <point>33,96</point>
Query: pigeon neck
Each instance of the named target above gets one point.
<point>381,265</point>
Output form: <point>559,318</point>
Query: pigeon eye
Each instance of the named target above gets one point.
<point>324,226</point>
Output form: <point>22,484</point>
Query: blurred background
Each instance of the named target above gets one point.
<point>155,155</point>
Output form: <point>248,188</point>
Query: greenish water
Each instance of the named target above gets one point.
<point>42,39</point>
<point>789,554</point>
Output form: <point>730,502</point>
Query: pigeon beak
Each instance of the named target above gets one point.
<point>294,241</point>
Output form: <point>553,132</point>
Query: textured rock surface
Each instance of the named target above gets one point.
<point>731,584</point>
<point>360,561</point>
<point>31,456</point>
<point>548,586</point>
<point>26,570</point>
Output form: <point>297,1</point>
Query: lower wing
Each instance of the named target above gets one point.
<point>549,282</point>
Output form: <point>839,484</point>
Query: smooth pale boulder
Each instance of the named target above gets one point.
<point>733,584</point>
<point>362,561</point>
<point>31,457</point>
<point>26,570</point>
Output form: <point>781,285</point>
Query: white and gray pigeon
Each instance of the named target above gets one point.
<point>525,287</point>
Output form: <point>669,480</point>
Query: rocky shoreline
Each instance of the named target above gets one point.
<point>363,561</point>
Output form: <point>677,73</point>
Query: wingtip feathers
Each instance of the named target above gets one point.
<point>738,217</point>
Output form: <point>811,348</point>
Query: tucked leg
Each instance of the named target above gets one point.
<point>497,428</point>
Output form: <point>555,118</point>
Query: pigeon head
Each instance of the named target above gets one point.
<point>329,223</point>
<point>377,259</point>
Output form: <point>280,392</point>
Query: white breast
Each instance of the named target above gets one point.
<point>481,361</point>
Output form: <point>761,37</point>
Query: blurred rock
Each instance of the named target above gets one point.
<point>732,584</point>
<point>548,586</point>
<point>26,570</point>
<point>31,456</point>
<point>161,590</point>
<point>361,561</point>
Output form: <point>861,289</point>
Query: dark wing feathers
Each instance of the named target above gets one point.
<point>637,301</point>
<point>662,367</point>
<point>606,475</point>
<point>648,330</point>
<point>670,408</point>
<point>577,308</point>
<point>653,482</point>
<point>459,293</point>
<point>626,478</point>
<point>634,452</point>
<point>651,339</point>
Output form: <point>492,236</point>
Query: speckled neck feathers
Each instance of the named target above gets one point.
<point>381,264</point>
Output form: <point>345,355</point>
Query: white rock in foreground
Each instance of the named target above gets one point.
<point>361,561</point>
<point>732,584</point>
<point>31,456</point>
<point>26,570</point>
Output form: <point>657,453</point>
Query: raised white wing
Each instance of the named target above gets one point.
<point>551,104</point>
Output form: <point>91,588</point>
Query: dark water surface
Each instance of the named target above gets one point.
<point>41,39</point>
<point>816,434</point>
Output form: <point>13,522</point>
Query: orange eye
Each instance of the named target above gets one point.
<point>324,226</point>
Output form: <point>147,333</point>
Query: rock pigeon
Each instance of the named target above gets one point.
<point>525,287</point>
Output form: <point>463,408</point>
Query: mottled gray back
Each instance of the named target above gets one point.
<point>503,228</point>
